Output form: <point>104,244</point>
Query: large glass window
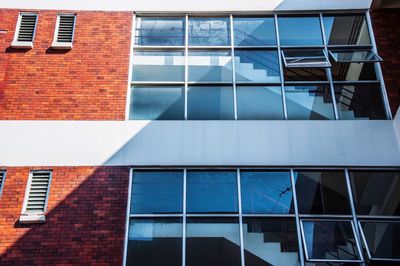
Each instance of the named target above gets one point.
<point>209,31</point>
<point>300,31</point>
<point>160,31</point>
<point>206,66</point>
<point>254,31</point>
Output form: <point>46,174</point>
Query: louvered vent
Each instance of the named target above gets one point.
<point>65,31</point>
<point>26,29</point>
<point>37,195</point>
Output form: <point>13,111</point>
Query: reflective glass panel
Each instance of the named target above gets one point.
<point>330,240</point>
<point>356,56</point>
<point>257,66</point>
<point>253,31</point>
<point>158,66</point>
<point>346,30</point>
<point>353,71</point>
<point>212,242</point>
<point>155,242</point>
<point>266,192</point>
<point>305,74</point>
<point>305,58</point>
<point>360,101</point>
<point>258,103</point>
<point>309,102</point>
<point>300,31</point>
<point>157,192</point>
<point>376,193</point>
<point>157,103</point>
<point>383,239</point>
<point>270,241</point>
<point>210,103</point>
<point>322,192</point>
<point>211,192</point>
<point>210,66</point>
<point>209,31</point>
<point>160,31</point>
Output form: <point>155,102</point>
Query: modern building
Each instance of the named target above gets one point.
<point>200,133</point>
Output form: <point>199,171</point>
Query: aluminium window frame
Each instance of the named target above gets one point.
<point>63,45</point>
<point>326,64</point>
<point>4,173</point>
<point>21,44</point>
<point>332,51</point>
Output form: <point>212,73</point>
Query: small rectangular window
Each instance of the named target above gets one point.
<point>305,58</point>
<point>2,179</point>
<point>25,31</point>
<point>354,56</point>
<point>64,32</point>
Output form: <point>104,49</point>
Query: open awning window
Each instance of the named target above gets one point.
<point>305,59</point>
<point>355,56</point>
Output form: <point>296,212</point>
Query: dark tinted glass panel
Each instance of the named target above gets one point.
<point>160,31</point>
<point>330,240</point>
<point>376,193</point>
<point>257,66</point>
<point>322,192</point>
<point>157,192</point>
<point>353,71</point>
<point>255,102</point>
<point>155,242</point>
<point>309,102</point>
<point>212,242</point>
<point>153,102</point>
<point>360,101</point>
<point>346,30</point>
<point>266,192</point>
<point>210,103</point>
<point>253,31</point>
<point>211,192</point>
<point>383,239</point>
<point>209,31</point>
<point>300,31</point>
<point>305,74</point>
<point>270,241</point>
<point>210,66</point>
<point>158,66</point>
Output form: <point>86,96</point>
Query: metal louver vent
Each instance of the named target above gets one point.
<point>37,194</point>
<point>65,29</point>
<point>26,31</point>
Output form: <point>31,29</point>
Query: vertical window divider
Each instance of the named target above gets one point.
<point>240,218</point>
<point>278,43</point>
<point>186,64</point>
<point>296,212</point>
<point>128,207</point>
<point>184,219</point>
<point>233,67</point>
<point>130,68</point>
<point>328,70</point>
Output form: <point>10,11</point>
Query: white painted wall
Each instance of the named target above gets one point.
<point>263,143</point>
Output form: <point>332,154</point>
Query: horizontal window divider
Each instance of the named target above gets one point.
<point>211,215</point>
<point>286,47</point>
<point>247,48</point>
<point>334,261</point>
<point>154,215</point>
<point>356,82</point>
<point>208,48</point>
<point>349,46</point>
<point>384,259</point>
<point>305,83</point>
<point>244,83</point>
<point>157,48</point>
<point>194,83</point>
<point>325,217</point>
<point>257,215</point>
<point>149,83</point>
<point>378,218</point>
<point>248,14</point>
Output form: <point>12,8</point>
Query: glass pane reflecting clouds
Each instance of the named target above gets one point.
<point>160,31</point>
<point>253,31</point>
<point>209,31</point>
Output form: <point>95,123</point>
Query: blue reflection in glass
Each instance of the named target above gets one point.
<point>209,31</point>
<point>210,66</point>
<point>160,31</point>
<point>300,31</point>
<point>254,31</point>
<point>212,192</point>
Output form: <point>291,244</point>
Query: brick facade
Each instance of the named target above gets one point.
<point>85,220</point>
<point>88,82</point>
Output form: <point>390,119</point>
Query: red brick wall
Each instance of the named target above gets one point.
<point>85,220</point>
<point>87,83</point>
<point>387,34</point>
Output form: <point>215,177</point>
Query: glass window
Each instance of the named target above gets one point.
<point>257,66</point>
<point>354,56</point>
<point>329,240</point>
<point>209,31</point>
<point>305,58</point>
<point>207,66</point>
<point>157,192</point>
<point>212,242</point>
<point>346,30</point>
<point>270,241</point>
<point>158,66</point>
<point>382,239</point>
<point>266,192</point>
<point>353,71</point>
<point>157,103</point>
<point>212,192</point>
<point>259,102</point>
<point>360,101</point>
<point>300,31</point>
<point>254,31</point>
<point>309,102</point>
<point>322,192</point>
<point>305,74</point>
<point>160,31</point>
<point>210,103</point>
<point>376,193</point>
<point>154,242</point>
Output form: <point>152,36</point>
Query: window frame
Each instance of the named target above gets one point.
<point>4,175</point>
<point>327,64</point>
<point>332,51</point>
<point>23,44</point>
<point>63,45</point>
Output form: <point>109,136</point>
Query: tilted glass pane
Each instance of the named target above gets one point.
<point>305,58</point>
<point>154,242</point>
<point>266,192</point>
<point>270,241</point>
<point>356,56</point>
<point>383,239</point>
<point>254,31</point>
<point>212,242</point>
<point>309,102</point>
<point>322,192</point>
<point>376,192</point>
<point>330,240</point>
<point>346,30</point>
<point>212,192</point>
<point>353,71</point>
<point>257,66</point>
<point>210,66</point>
<point>210,103</point>
<point>160,31</point>
<point>258,103</point>
<point>299,31</point>
<point>209,31</point>
<point>360,101</point>
<point>157,192</point>
<point>158,66</point>
<point>157,103</point>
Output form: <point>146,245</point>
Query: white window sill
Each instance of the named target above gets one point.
<point>22,45</point>
<point>61,46</point>
<point>32,218</point>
